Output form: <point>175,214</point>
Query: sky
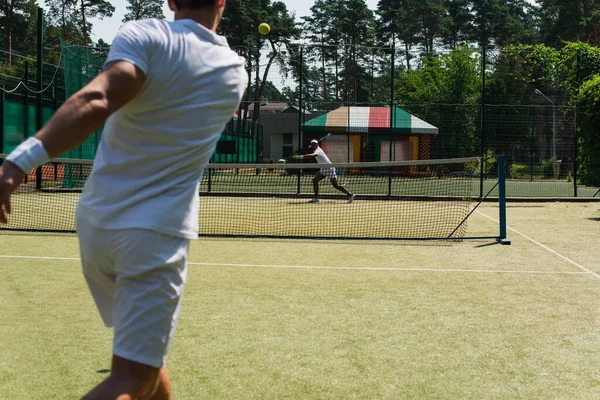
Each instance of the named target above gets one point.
<point>107,28</point>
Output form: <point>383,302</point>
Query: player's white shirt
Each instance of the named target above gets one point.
<point>153,151</point>
<point>321,157</point>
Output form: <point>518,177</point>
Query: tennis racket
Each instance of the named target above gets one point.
<point>324,137</point>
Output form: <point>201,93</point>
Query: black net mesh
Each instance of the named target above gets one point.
<point>398,200</point>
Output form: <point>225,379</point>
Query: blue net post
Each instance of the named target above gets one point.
<point>502,199</point>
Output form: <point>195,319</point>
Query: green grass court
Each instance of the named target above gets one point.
<point>293,319</point>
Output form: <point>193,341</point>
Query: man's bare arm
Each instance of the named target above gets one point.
<point>85,111</point>
<point>81,115</point>
<point>306,156</point>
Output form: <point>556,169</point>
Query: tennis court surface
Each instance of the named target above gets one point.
<point>265,318</point>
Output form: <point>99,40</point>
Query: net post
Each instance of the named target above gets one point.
<point>502,200</point>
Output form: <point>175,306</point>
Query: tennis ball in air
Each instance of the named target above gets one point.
<point>264,29</point>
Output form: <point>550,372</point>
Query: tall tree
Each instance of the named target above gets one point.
<point>319,29</point>
<point>396,22</point>
<point>12,14</point>
<point>142,9</point>
<point>93,9</point>
<point>430,17</point>
<point>240,25</point>
<point>502,22</point>
<point>570,20</point>
<point>457,24</point>
<point>63,20</point>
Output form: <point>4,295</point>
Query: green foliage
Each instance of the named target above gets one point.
<point>451,84</point>
<point>489,162</point>
<point>548,167</point>
<point>142,9</point>
<point>589,136</point>
<point>579,62</point>
<point>517,170</point>
<point>569,20</point>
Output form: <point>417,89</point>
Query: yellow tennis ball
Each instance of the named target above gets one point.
<point>264,29</point>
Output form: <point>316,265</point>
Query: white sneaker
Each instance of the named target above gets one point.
<point>313,200</point>
<point>351,199</point>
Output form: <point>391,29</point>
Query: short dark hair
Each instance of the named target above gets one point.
<point>194,4</point>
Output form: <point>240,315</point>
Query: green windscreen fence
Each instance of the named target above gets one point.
<point>81,65</point>
<point>241,141</point>
<point>19,123</point>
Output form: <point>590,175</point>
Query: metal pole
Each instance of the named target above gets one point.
<point>502,200</point>
<point>482,144</point>
<point>26,102</point>
<point>554,160</point>
<point>392,109</point>
<point>40,78</point>
<point>575,166</point>
<point>300,114</point>
<point>300,105</point>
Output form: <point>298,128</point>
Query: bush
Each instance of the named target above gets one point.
<point>518,170</point>
<point>588,110</point>
<point>548,167</point>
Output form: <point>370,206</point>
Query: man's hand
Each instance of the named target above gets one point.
<point>11,177</point>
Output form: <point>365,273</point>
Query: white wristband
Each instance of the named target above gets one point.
<point>29,155</point>
<point>301,157</point>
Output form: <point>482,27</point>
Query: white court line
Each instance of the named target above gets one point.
<point>543,246</point>
<point>476,271</point>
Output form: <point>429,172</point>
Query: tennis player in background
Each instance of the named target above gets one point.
<point>322,158</point>
<point>166,93</point>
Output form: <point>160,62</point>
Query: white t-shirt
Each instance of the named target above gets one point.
<point>321,156</point>
<point>153,150</point>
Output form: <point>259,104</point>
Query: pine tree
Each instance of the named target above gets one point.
<point>142,9</point>
<point>12,16</point>
<point>570,20</point>
<point>90,9</point>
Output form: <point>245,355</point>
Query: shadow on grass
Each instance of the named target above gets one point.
<point>486,244</point>
<point>594,219</point>
<point>103,371</point>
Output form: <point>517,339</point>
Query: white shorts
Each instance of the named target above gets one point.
<point>328,173</point>
<point>136,278</point>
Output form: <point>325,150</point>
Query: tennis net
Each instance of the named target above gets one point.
<point>395,200</point>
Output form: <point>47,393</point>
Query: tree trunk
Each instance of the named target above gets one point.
<point>9,17</point>
<point>261,86</point>
<point>64,22</point>
<point>324,74</point>
<point>9,42</point>
<point>337,84</point>
<point>84,25</point>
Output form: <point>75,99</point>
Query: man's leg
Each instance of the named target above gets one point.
<point>339,187</point>
<point>150,271</point>
<point>316,181</point>
<point>130,380</point>
<point>163,390</point>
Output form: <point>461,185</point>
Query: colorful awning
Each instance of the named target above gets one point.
<point>369,120</point>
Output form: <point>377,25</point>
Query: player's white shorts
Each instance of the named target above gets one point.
<point>136,277</point>
<point>328,173</point>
